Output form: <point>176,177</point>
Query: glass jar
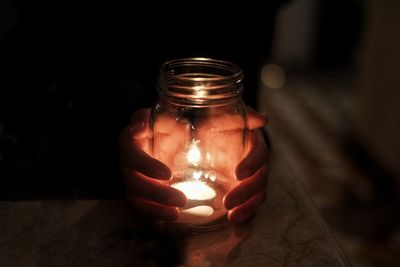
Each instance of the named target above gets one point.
<point>199,130</point>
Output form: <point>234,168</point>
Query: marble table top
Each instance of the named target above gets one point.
<point>287,231</point>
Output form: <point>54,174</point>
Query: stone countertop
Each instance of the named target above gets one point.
<point>287,231</point>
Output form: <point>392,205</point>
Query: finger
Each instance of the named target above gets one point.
<point>256,119</point>
<point>138,127</point>
<point>168,123</point>
<point>242,213</point>
<point>234,121</point>
<point>150,210</point>
<point>246,189</point>
<point>134,158</point>
<point>255,158</point>
<point>141,186</point>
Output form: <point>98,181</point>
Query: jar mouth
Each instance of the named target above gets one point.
<point>227,70</point>
<point>199,80</point>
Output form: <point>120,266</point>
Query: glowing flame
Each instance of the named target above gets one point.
<point>194,154</point>
<point>195,190</point>
<point>213,177</point>
<point>199,211</point>
<point>197,174</point>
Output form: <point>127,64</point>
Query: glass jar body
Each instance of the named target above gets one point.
<point>202,145</point>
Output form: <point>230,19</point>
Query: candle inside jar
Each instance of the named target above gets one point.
<point>195,190</point>
<point>203,210</point>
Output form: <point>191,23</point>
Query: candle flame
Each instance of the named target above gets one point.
<point>194,155</point>
<point>195,190</point>
<point>213,177</point>
<point>197,174</point>
<point>199,211</point>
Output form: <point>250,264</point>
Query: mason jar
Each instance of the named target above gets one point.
<point>199,130</point>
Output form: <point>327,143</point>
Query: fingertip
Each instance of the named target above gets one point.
<point>246,210</point>
<point>178,200</point>
<point>170,214</point>
<point>243,173</point>
<point>257,119</point>
<point>256,157</point>
<point>163,173</point>
<point>231,203</point>
<point>136,129</point>
<point>153,168</point>
<point>266,116</point>
<point>237,217</point>
<point>262,117</point>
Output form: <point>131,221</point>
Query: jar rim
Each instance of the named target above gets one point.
<point>199,81</point>
<point>237,73</point>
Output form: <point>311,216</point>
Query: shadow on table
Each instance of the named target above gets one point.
<point>107,234</point>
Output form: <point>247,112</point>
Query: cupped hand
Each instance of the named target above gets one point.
<point>243,200</point>
<point>143,175</point>
<point>151,198</point>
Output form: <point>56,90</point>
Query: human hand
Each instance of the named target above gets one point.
<point>151,198</point>
<point>243,200</point>
<point>143,175</point>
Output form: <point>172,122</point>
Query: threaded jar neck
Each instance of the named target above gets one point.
<point>200,81</point>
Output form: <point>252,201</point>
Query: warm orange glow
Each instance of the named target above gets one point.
<point>194,154</point>
<point>195,190</point>
<point>197,174</point>
<point>201,91</point>
<point>199,211</point>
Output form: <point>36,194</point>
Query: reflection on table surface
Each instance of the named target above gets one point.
<point>286,230</point>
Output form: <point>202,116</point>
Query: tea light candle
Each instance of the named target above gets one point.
<point>193,187</point>
<point>195,190</point>
<point>203,211</point>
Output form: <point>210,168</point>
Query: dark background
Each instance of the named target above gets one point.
<point>327,72</point>
<point>71,76</point>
